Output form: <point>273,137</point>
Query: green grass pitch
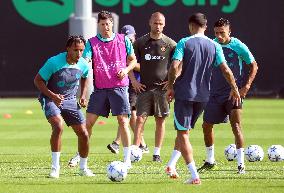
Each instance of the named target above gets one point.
<point>25,155</point>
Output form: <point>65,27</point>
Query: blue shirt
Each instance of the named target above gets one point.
<point>236,53</point>
<point>61,77</point>
<point>88,50</point>
<point>199,55</point>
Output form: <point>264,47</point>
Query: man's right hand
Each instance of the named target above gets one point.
<point>58,99</point>
<point>137,86</point>
<point>83,102</point>
<point>235,97</point>
<point>170,94</point>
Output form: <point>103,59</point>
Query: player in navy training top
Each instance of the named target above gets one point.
<point>198,55</point>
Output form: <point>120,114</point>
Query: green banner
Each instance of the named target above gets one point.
<point>45,12</point>
<point>226,7</point>
<point>54,12</point>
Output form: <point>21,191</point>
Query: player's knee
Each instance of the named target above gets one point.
<point>236,127</point>
<point>122,121</point>
<point>140,120</point>
<point>89,124</point>
<point>160,120</point>
<point>57,129</point>
<point>182,135</point>
<point>207,128</point>
<point>83,134</point>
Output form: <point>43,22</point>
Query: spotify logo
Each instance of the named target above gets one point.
<point>44,12</point>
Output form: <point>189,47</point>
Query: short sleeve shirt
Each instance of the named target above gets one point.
<point>199,55</point>
<point>154,57</point>
<point>61,77</point>
<point>236,54</point>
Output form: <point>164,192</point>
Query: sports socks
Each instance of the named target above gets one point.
<point>174,158</point>
<point>210,154</point>
<point>83,163</point>
<point>192,168</point>
<point>55,160</point>
<point>126,154</point>
<point>240,157</point>
<point>157,151</point>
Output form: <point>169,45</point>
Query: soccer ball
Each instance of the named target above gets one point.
<point>276,153</point>
<point>116,171</point>
<point>254,153</point>
<point>136,154</point>
<point>231,152</point>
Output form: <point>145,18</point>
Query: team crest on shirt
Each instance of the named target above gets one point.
<point>231,55</point>
<point>163,48</point>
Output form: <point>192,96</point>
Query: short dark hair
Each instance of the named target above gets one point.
<point>104,15</point>
<point>198,19</point>
<point>76,39</point>
<point>222,22</point>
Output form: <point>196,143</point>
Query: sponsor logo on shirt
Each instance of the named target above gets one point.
<point>150,57</point>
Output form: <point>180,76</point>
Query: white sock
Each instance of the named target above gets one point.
<point>55,160</point>
<point>240,156</point>
<point>157,151</point>
<point>126,155</point>
<point>174,158</point>
<point>210,154</point>
<point>83,163</point>
<point>192,168</point>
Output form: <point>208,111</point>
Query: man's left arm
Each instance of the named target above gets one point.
<point>131,59</point>
<point>173,73</point>
<point>131,62</point>
<point>253,71</point>
<point>83,99</point>
<point>172,46</point>
<point>172,76</point>
<point>247,56</point>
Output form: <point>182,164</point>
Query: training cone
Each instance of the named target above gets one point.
<point>29,112</point>
<point>101,123</point>
<point>7,116</point>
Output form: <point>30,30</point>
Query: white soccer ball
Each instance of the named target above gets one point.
<point>276,153</point>
<point>136,154</point>
<point>116,171</point>
<point>254,153</point>
<point>231,152</point>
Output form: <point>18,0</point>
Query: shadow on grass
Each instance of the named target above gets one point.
<point>72,175</point>
<point>250,170</point>
<point>241,178</point>
<point>64,183</point>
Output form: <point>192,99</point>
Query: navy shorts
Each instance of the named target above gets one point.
<point>186,114</point>
<point>114,99</point>
<point>69,110</point>
<point>218,109</point>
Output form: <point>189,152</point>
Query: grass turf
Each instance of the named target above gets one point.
<point>25,154</point>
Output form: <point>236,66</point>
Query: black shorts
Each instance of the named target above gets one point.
<point>132,98</point>
<point>218,109</point>
<point>153,102</point>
